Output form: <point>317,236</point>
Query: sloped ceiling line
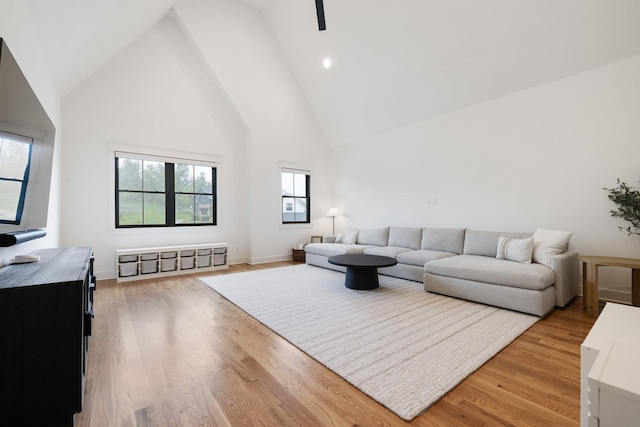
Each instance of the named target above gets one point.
<point>207,83</point>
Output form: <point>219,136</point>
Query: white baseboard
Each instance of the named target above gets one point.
<point>615,295</point>
<point>105,275</point>
<point>267,259</point>
<point>239,260</point>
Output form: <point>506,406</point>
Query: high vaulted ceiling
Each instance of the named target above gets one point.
<point>395,62</point>
<point>80,36</point>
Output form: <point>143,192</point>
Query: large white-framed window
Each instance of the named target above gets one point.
<point>296,195</point>
<point>157,191</point>
<point>15,165</point>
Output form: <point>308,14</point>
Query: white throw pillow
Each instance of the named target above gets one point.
<point>547,243</point>
<point>339,238</point>
<point>519,250</point>
<point>350,238</point>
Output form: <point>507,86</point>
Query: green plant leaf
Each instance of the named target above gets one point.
<point>627,199</point>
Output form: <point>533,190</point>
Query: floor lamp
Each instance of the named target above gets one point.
<point>333,213</point>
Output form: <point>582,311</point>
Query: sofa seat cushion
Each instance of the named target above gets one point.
<point>390,251</point>
<point>331,249</point>
<point>494,271</point>
<point>421,257</point>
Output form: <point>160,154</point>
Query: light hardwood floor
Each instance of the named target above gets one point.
<point>172,352</point>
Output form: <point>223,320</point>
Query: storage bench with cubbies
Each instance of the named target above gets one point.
<point>143,263</point>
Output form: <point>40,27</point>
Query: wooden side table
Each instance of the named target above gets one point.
<point>299,255</point>
<point>590,266</point>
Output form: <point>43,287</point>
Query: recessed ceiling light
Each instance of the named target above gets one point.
<point>326,62</point>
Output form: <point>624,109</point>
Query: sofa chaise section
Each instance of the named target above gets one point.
<point>477,275</point>
<point>521,287</point>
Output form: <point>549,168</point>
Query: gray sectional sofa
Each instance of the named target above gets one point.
<point>466,264</point>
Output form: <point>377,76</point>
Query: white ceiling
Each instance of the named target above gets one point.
<point>395,61</point>
<point>80,36</point>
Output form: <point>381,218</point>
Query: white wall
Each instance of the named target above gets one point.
<point>239,104</point>
<point>16,28</point>
<point>536,158</point>
<point>235,41</point>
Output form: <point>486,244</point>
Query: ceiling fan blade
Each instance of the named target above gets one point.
<point>320,11</point>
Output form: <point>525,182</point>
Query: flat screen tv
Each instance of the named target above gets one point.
<point>26,153</point>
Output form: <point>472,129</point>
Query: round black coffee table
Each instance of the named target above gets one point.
<point>362,270</point>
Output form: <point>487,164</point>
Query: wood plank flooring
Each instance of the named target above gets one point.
<point>172,352</point>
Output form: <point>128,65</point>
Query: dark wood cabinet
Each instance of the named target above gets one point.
<point>46,310</point>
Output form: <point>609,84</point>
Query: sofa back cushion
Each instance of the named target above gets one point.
<point>485,243</point>
<point>405,237</point>
<point>443,239</point>
<point>374,236</point>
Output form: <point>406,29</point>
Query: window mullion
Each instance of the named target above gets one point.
<point>170,189</point>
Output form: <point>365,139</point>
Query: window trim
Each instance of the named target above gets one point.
<point>22,200</point>
<point>169,190</point>
<point>296,170</point>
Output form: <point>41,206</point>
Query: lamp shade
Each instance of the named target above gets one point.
<point>332,212</point>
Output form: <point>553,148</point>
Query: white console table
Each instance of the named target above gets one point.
<point>616,331</point>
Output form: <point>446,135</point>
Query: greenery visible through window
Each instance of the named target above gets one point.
<point>296,198</point>
<point>15,161</point>
<point>156,193</point>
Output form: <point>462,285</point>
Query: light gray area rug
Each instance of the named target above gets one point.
<point>402,346</point>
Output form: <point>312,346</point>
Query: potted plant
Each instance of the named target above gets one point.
<point>628,201</point>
